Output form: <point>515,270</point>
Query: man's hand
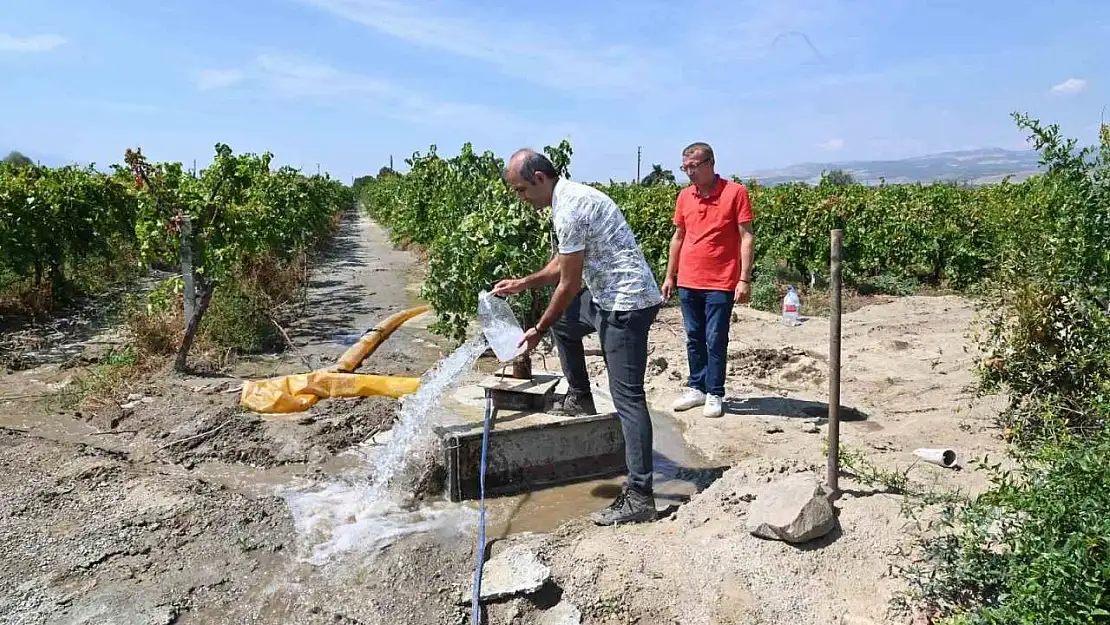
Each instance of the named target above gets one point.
<point>668,288</point>
<point>743,292</point>
<point>508,287</point>
<point>531,338</point>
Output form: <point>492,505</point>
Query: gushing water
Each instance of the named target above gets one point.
<point>419,409</point>
<point>361,512</point>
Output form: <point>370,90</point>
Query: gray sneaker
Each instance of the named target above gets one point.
<point>631,506</point>
<point>575,406</point>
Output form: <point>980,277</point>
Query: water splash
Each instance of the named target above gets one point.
<point>360,512</point>
<point>418,411</point>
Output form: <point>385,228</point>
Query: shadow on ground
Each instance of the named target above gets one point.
<point>788,407</point>
<point>343,302</point>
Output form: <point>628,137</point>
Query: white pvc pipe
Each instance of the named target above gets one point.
<point>940,456</point>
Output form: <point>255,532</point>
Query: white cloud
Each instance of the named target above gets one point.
<point>33,43</point>
<point>656,50</point>
<point>290,76</point>
<point>559,56</point>
<point>208,79</point>
<point>1070,86</point>
<point>833,144</point>
<point>122,107</point>
<point>302,78</point>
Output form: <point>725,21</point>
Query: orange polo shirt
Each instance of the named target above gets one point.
<point>710,255</point>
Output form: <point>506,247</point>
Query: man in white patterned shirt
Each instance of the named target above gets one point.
<point>594,244</point>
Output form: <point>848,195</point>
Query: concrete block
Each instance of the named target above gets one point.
<point>528,451</point>
<point>510,393</point>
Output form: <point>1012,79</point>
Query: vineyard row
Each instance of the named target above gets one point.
<point>55,220</point>
<point>477,231</point>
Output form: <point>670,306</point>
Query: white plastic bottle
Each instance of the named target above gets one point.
<point>500,326</point>
<point>791,308</point>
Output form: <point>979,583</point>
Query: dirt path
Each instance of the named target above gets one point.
<point>360,280</point>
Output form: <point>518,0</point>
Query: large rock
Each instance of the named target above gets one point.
<point>795,509</point>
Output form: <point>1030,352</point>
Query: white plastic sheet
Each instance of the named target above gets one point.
<point>500,326</point>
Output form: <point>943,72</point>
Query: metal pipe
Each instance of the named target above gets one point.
<point>834,363</point>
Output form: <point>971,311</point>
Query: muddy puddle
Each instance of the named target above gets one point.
<point>342,501</point>
<point>680,473</point>
<point>338,485</point>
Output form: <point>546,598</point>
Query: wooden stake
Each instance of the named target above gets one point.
<point>834,364</point>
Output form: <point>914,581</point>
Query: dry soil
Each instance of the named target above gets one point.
<point>159,505</point>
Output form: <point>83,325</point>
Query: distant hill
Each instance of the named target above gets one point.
<point>984,166</point>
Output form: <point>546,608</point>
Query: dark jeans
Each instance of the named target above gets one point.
<point>624,345</point>
<point>707,315</point>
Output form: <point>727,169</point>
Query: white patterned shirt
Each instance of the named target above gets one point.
<point>614,267</point>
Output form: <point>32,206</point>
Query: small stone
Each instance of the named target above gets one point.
<point>795,510</point>
<point>657,366</point>
<point>564,613</point>
<point>515,571</point>
<point>810,428</point>
<point>774,429</point>
<point>849,619</point>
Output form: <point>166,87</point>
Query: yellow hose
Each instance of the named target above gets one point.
<point>360,351</point>
<point>297,393</point>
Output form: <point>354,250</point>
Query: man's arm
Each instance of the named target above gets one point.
<point>747,251</point>
<point>570,280</point>
<point>676,248</point>
<point>672,261</point>
<point>744,219</point>
<point>548,275</point>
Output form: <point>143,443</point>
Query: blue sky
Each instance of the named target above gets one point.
<point>346,83</point>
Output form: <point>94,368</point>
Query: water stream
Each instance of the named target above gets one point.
<point>360,511</point>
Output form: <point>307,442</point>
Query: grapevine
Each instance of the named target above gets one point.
<point>236,214</point>
<point>476,231</point>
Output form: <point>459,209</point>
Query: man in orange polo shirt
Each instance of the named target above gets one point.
<point>710,263</point>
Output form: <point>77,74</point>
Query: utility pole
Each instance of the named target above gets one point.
<point>317,169</point>
<point>638,149</point>
<point>390,162</point>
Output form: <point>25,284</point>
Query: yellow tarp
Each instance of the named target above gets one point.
<point>297,393</point>
<point>355,354</point>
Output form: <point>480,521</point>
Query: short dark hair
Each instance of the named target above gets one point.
<point>532,162</point>
<point>699,146</point>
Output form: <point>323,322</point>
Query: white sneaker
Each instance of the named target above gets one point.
<point>714,407</point>
<point>691,399</point>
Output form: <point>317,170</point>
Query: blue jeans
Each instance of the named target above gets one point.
<point>707,315</point>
